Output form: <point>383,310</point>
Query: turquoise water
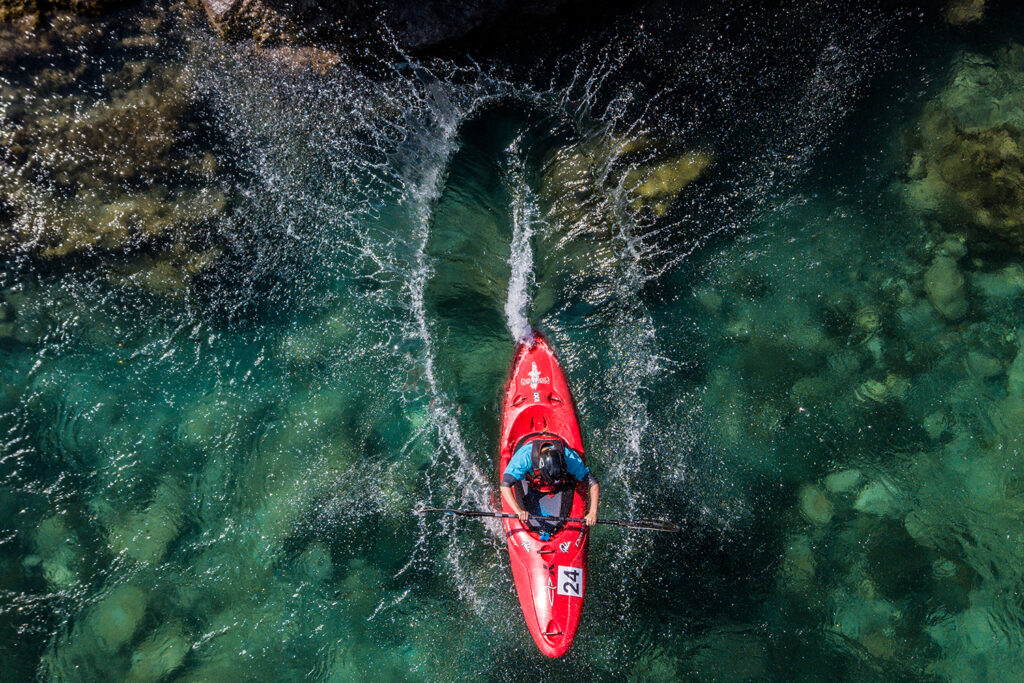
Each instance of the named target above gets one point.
<point>213,476</point>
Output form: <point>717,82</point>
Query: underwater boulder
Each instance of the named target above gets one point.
<point>873,393</point>
<point>109,174</point>
<point>708,299</point>
<point>1015,375</point>
<point>982,365</point>
<point>159,654</point>
<point>935,424</point>
<point>652,172</point>
<point>843,481</point>
<point>878,498</point>
<point>869,621</point>
<point>314,564</point>
<point>963,12</point>
<point>1003,285</point>
<point>967,167</point>
<point>145,535</point>
<point>59,550</point>
<point>944,285</point>
<point>114,621</point>
<point>815,505</point>
<point>798,563</point>
<point>655,186</point>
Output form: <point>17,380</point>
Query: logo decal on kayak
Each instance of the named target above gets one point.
<point>535,378</point>
<point>551,593</point>
<point>564,547</point>
<point>527,545</point>
<point>570,582</point>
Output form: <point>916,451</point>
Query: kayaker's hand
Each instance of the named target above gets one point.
<point>591,518</point>
<point>523,516</point>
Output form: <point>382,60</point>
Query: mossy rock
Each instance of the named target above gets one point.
<point>655,187</point>
<point>110,176</point>
<point>967,161</point>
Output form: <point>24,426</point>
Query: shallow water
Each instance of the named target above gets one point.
<point>220,481</point>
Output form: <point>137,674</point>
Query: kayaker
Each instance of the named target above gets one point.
<point>547,466</point>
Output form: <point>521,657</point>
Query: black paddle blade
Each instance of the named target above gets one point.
<point>646,525</point>
<point>463,513</point>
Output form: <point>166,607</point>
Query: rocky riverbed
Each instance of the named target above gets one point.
<point>262,279</point>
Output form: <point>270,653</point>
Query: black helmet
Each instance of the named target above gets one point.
<point>551,464</point>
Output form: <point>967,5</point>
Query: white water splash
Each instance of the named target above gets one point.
<point>520,259</point>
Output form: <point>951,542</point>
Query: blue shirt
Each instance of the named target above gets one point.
<point>521,463</point>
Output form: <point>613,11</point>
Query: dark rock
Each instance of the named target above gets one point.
<point>13,9</point>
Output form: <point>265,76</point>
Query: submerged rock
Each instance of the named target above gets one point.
<point>656,186</point>
<point>709,300</point>
<point>59,552</point>
<point>961,12</point>
<point>114,621</point>
<point>159,654</point>
<point>1004,284</point>
<point>842,482</point>
<point>878,498</point>
<point>983,366</point>
<point>815,505</point>
<point>968,167</point>
<point>1015,375</point>
<point>109,172</point>
<point>870,622</point>
<point>653,174</point>
<point>944,286</point>
<point>935,424</point>
<point>866,324</point>
<point>798,563</point>
<point>879,392</point>
<point>315,563</point>
<point>144,535</point>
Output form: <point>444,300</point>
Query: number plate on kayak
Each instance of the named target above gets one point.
<point>570,582</point>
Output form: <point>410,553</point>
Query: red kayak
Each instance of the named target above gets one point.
<point>549,560</point>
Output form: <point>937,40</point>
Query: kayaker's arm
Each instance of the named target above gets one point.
<point>510,498</point>
<point>595,493</point>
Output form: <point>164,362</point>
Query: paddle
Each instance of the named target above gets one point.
<point>643,524</point>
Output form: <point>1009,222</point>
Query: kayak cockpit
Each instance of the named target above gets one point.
<point>540,505</point>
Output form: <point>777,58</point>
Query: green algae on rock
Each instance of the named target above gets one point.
<point>967,163</point>
<point>962,12</point>
<point>656,186</point>
<point>14,9</point>
<point>638,164</point>
<point>109,173</point>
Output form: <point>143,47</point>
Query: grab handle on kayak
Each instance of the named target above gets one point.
<point>642,524</point>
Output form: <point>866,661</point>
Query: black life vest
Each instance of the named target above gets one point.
<point>534,477</point>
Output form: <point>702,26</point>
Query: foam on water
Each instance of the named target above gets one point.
<point>520,259</point>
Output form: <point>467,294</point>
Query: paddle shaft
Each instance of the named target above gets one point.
<point>644,524</point>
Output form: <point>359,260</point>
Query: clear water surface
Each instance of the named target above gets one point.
<point>219,484</point>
